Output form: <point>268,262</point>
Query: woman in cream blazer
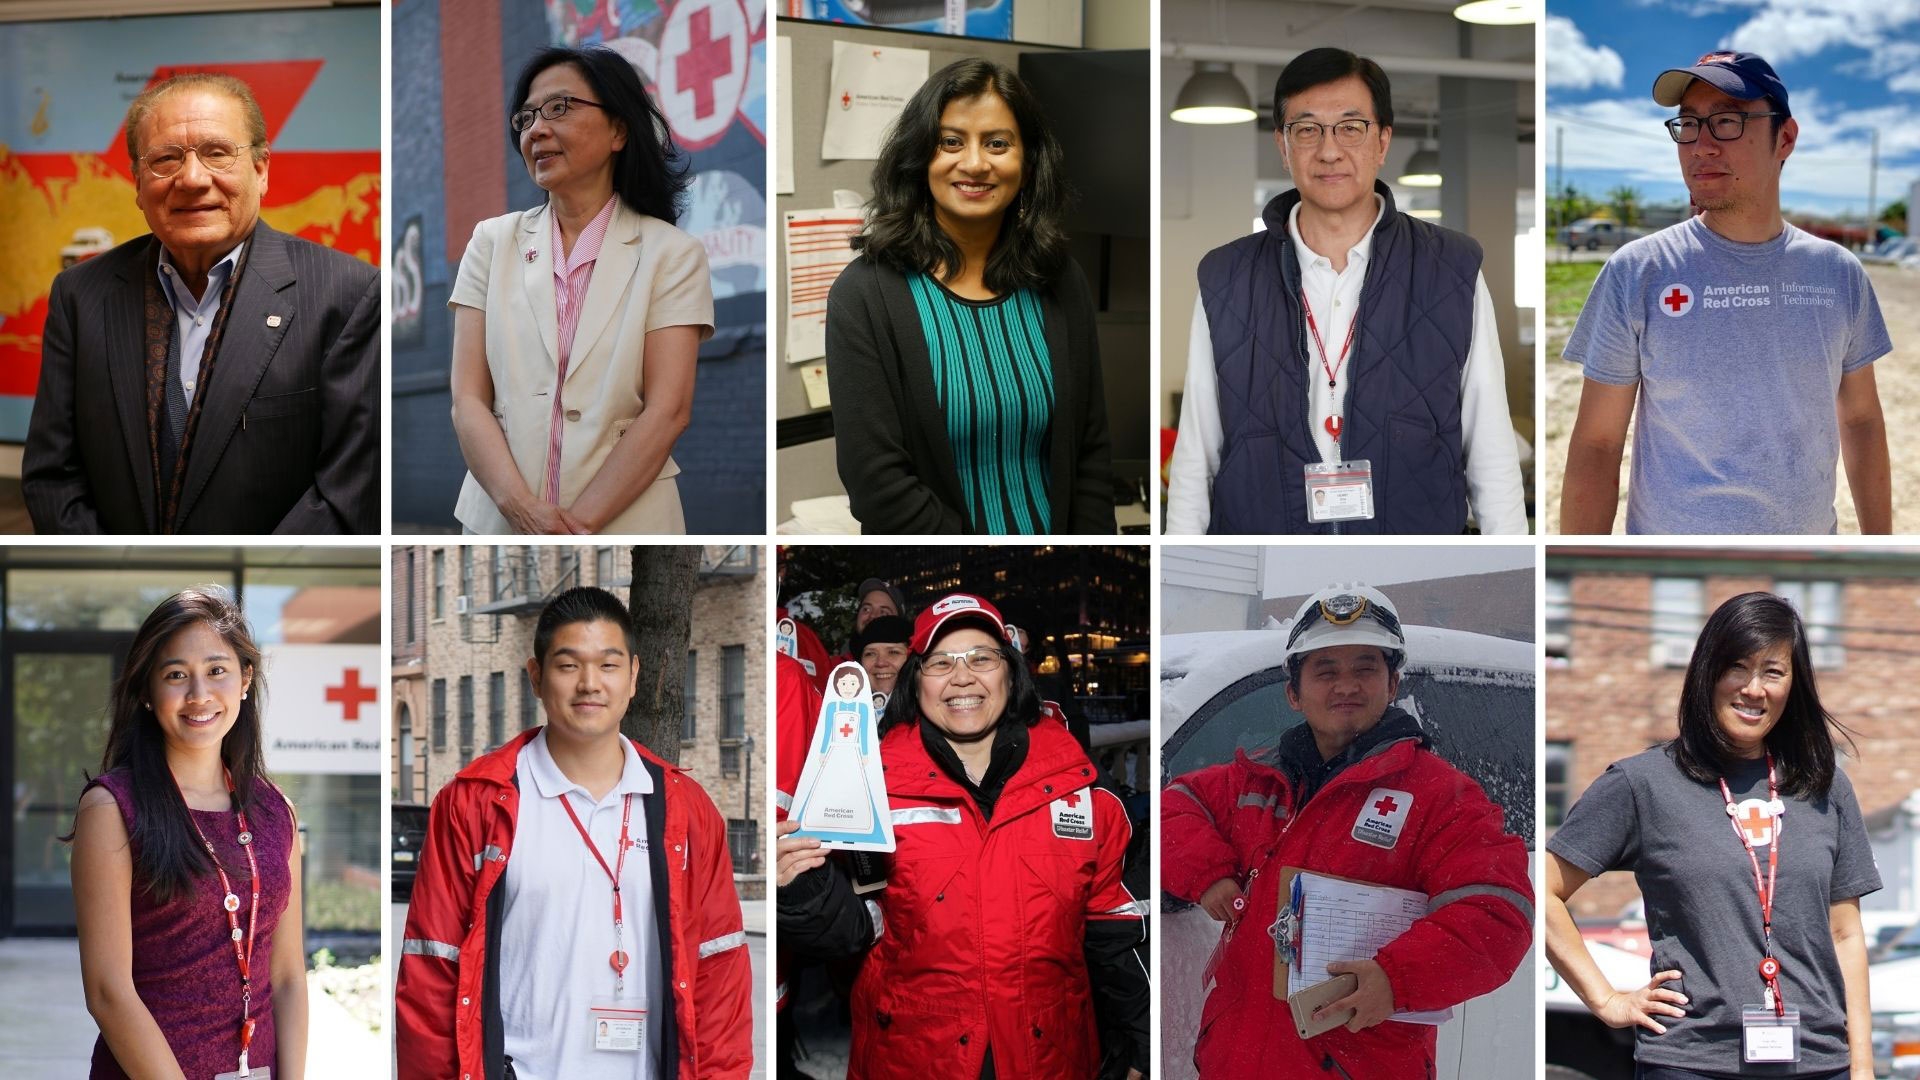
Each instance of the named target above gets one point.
<point>636,322</point>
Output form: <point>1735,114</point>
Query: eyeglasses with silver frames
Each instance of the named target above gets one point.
<point>1305,134</point>
<point>217,155</point>
<point>980,658</point>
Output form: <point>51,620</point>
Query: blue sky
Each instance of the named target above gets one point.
<point>1849,66</point>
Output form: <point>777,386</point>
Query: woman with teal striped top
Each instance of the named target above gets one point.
<point>961,348</point>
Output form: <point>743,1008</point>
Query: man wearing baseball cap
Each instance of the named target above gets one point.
<point>1352,792</point>
<point>1746,344</point>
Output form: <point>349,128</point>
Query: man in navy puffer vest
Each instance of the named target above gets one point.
<point>1346,332</point>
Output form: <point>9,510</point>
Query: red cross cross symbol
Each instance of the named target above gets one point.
<point>1386,805</point>
<point>846,730</point>
<point>1756,825</point>
<point>1072,800</point>
<point>1676,299</point>
<point>707,59</point>
<point>350,695</point>
<point>846,100</point>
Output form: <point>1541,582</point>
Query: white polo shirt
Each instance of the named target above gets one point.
<point>557,928</point>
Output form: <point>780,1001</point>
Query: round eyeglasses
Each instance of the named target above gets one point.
<point>552,109</point>
<point>217,155</point>
<point>1724,126</point>
<point>1306,134</point>
<point>980,658</point>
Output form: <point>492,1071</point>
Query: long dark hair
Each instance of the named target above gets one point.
<point>1801,743</point>
<point>650,173</point>
<point>902,230</point>
<point>167,852</point>
<point>1023,698</point>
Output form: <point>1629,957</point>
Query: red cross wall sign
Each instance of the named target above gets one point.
<point>325,713</point>
<point>704,56</point>
<point>350,695</point>
<point>1676,300</point>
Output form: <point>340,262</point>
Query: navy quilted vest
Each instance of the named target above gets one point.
<point>1402,405</point>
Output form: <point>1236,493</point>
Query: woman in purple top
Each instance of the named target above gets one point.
<point>185,864</point>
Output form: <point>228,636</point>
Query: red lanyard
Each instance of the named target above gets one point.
<point>1334,422</point>
<point>1769,967</point>
<point>231,902</point>
<point>618,958</point>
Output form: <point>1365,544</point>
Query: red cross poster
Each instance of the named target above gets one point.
<point>323,709</point>
<point>870,86</point>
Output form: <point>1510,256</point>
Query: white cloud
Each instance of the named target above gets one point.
<point>1784,30</point>
<point>1575,65</point>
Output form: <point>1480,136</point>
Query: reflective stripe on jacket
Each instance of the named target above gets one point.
<point>446,1025</point>
<point>1227,820</point>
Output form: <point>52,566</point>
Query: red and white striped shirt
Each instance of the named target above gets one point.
<point>572,272</point>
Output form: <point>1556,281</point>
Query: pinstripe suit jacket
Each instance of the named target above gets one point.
<point>288,438</point>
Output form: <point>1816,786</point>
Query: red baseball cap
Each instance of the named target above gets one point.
<point>927,626</point>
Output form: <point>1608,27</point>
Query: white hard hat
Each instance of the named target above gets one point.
<point>1350,614</point>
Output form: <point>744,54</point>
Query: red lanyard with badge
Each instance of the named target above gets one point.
<point>1337,490</point>
<point>1770,1031</point>
<point>242,953</point>
<point>618,1024</point>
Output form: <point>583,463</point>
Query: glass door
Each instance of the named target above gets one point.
<point>58,700</point>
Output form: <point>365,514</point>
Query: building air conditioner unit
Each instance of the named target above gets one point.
<point>459,605</point>
<point>1672,652</point>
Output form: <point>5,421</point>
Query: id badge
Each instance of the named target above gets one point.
<point>1767,1036</point>
<point>258,1072</point>
<point>1339,491</point>
<point>618,1026</point>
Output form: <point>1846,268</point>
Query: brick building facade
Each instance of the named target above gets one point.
<point>1620,626</point>
<point>460,686</point>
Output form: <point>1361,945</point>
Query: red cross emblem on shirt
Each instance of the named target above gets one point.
<point>1675,299</point>
<point>846,730</point>
<point>1386,805</point>
<point>1757,825</point>
<point>350,695</point>
<point>1072,800</point>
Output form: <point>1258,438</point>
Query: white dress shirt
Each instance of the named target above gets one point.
<point>556,931</point>
<point>1492,455</point>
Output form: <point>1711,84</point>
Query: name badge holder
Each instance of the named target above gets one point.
<point>618,1026</point>
<point>1339,491</point>
<point>1768,1034</point>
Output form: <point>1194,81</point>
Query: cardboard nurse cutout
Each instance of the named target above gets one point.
<point>841,799</point>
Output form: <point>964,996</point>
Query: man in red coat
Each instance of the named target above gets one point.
<point>1354,792</point>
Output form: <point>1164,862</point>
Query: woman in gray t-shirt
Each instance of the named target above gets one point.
<point>1702,821</point>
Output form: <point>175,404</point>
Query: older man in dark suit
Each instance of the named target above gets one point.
<point>216,376</point>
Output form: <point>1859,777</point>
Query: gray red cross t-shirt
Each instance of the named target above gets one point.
<point>1738,351</point>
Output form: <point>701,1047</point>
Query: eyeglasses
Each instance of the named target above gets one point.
<point>552,109</point>
<point>218,155</point>
<point>1725,126</point>
<point>1306,134</point>
<point>980,658</point>
<point>1342,610</point>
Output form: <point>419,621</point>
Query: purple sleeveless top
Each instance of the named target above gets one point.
<point>183,964</point>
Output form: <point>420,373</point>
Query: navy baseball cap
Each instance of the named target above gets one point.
<point>1742,75</point>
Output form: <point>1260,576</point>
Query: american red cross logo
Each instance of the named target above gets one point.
<point>350,695</point>
<point>1386,805</point>
<point>846,730</point>
<point>1072,800</point>
<point>1676,300</point>
<point>1757,826</point>
<point>846,100</point>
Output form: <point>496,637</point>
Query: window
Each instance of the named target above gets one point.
<point>733,694</point>
<point>729,759</point>
<point>743,843</point>
<point>406,754</point>
<point>496,708</point>
<point>466,718</point>
<point>466,574</point>
<point>1676,620</point>
<point>499,574</point>
<point>529,702</point>
<point>1818,603</point>
<point>408,606</point>
<point>439,584</point>
<point>1559,762</point>
<point>1559,605</point>
<point>690,691</point>
<point>603,566</point>
<point>439,715</point>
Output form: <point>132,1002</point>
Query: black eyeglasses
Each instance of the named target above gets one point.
<point>552,109</point>
<point>1347,133</point>
<point>1343,610</point>
<point>1725,126</point>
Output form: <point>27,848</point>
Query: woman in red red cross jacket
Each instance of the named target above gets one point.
<point>1004,921</point>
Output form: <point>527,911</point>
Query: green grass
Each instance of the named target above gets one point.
<point>1567,287</point>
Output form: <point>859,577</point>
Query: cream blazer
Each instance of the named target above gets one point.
<point>648,275</point>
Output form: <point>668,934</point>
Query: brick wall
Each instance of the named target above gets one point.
<point>1609,700</point>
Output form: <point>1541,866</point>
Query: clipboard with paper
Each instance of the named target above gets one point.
<point>1326,919</point>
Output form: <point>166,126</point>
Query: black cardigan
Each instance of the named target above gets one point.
<point>891,433</point>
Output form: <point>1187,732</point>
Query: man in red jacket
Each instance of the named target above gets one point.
<point>574,914</point>
<point>1355,793</point>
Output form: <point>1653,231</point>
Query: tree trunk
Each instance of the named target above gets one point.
<point>661,599</point>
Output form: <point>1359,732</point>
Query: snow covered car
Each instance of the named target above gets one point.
<point>1473,693</point>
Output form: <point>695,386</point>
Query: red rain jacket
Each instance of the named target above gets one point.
<point>442,1015</point>
<point>1240,819</point>
<point>982,924</point>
